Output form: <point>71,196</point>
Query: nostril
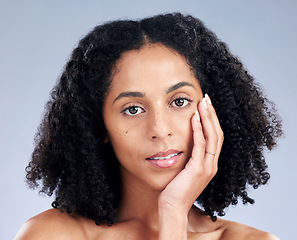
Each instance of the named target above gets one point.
<point>169,135</point>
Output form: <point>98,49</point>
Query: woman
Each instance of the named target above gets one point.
<point>120,145</point>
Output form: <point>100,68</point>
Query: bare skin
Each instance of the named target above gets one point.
<point>145,124</point>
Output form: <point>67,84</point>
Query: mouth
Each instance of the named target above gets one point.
<point>164,159</point>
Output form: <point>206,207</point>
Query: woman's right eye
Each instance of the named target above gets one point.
<point>133,110</point>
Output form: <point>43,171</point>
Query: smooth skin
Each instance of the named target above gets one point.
<point>149,109</point>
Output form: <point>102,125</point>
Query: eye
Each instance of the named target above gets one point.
<point>180,102</point>
<point>133,110</point>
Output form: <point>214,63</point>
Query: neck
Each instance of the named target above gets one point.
<point>138,202</point>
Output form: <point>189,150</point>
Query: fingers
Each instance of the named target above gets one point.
<point>198,151</point>
<point>216,124</point>
<point>208,137</point>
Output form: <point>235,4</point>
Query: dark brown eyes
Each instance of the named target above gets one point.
<point>133,110</point>
<point>180,102</point>
<point>177,103</point>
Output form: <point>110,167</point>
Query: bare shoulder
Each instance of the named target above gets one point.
<point>51,224</point>
<point>203,228</point>
<point>233,230</point>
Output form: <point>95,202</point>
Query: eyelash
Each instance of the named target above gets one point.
<point>184,99</point>
<point>125,110</point>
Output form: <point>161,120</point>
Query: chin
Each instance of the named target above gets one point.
<point>161,182</point>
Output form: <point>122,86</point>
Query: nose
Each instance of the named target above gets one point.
<point>159,125</point>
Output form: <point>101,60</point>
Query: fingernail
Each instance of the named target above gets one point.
<point>197,116</point>
<point>207,98</point>
<point>204,103</point>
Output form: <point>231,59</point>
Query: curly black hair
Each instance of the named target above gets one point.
<point>72,161</point>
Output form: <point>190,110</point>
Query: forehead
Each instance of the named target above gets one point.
<point>152,65</point>
<point>156,56</point>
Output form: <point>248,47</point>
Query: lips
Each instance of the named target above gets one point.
<point>164,159</point>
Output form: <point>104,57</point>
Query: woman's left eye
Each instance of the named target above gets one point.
<point>180,102</point>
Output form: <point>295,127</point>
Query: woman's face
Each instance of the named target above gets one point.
<point>147,114</point>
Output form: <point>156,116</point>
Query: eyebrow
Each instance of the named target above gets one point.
<point>129,94</point>
<point>141,95</point>
<point>179,85</point>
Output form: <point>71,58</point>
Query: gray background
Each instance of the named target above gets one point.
<point>36,39</point>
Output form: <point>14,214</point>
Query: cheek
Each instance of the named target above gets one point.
<point>185,130</point>
<point>124,142</point>
<point>122,139</point>
<point>189,129</point>
<point>188,136</point>
<point>118,136</point>
<point>115,129</point>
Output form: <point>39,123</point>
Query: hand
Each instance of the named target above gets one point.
<point>180,194</point>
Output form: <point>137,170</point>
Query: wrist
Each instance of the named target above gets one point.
<point>167,206</point>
